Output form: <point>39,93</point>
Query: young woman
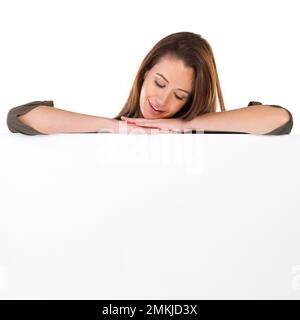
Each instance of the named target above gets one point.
<point>175,90</point>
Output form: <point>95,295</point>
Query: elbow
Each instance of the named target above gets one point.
<point>11,121</point>
<point>286,122</point>
<point>286,116</point>
<point>15,125</point>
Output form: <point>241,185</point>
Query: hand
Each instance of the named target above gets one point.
<point>128,128</point>
<point>119,126</point>
<point>169,125</point>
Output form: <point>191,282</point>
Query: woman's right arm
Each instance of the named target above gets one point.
<point>40,117</point>
<point>49,120</point>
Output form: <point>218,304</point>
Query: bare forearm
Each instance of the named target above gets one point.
<point>53,120</point>
<point>253,119</point>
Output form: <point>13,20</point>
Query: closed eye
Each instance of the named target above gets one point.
<point>160,86</point>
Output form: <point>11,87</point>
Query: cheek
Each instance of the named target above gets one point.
<point>142,96</point>
<point>146,92</point>
<point>150,89</point>
<point>176,107</point>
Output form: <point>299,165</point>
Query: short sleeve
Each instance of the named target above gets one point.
<point>285,128</point>
<point>17,126</point>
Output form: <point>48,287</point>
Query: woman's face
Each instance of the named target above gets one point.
<point>166,87</point>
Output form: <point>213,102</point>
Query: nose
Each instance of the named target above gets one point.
<point>163,97</point>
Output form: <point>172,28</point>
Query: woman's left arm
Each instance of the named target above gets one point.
<point>256,119</point>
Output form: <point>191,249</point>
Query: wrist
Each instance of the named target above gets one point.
<point>108,125</point>
<point>194,124</point>
<point>187,125</point>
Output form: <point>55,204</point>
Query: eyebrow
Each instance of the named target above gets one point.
<point>168,82</point>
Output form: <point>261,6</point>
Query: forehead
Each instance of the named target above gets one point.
<point>174,70</point>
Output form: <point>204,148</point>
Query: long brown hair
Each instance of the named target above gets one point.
<point>196,53</point>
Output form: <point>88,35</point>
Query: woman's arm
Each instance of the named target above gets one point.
<point>53,120</point>
<point>43,119</point>
<point>257,119</point>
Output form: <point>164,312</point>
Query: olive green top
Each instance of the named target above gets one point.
<point>16,126</point>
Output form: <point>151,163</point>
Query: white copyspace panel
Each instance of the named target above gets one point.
<point>108,216</point>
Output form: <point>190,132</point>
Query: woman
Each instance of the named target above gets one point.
<point>175,90</point>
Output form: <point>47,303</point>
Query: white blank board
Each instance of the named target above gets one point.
<point>166,216</point>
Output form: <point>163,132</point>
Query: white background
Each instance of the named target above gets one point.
<point>85,216</point>
<point>84,55</point>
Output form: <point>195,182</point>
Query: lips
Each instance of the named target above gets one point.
<point>154,108</point>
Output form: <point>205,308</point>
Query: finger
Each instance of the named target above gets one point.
<point>131,120</point>
<point>147,124</point>
<point>142,130</point>
<point>128,118</point>
<point>139,119</point>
